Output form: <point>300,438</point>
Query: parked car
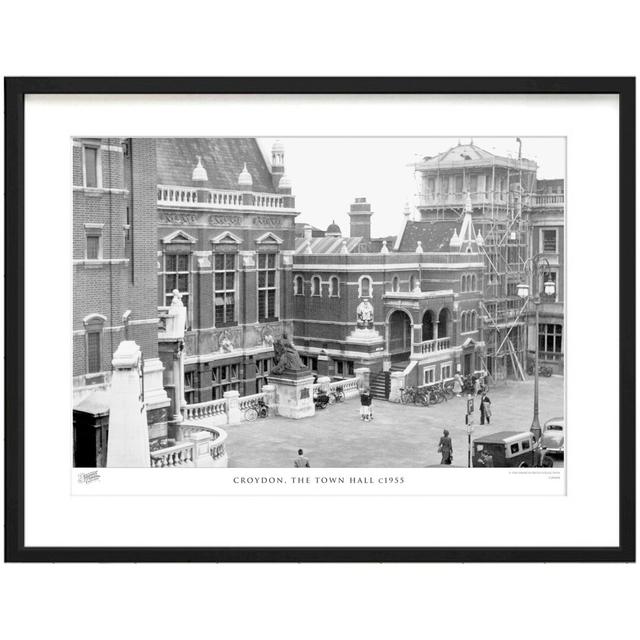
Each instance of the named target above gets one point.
<point>552,439</point>
<point>507,448</point>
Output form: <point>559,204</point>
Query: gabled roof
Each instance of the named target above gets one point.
<point>434,235</point>
<point>222,158</point>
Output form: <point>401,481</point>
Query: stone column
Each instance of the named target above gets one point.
<point>435,329</point>
<point>269,395</point>
<point>234,416</point>
<point>397,382</point>
<point>201,441</point>
<point>128,444</point>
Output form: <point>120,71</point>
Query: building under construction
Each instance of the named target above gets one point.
<point>501,193</point>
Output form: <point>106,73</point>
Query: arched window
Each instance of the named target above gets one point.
<point>365,287</point>
<point>463,283</point>
<point>395,284</point>
<point>334,286</point>
<point>473,283</point>
<point>93,325</point>
<point>298,286</point>
<point>474,320</point>
<point>315,286</point>
<point>463,322</point>
<point>444,323</point>
<point>412,283</point>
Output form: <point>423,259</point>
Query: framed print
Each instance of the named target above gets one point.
<point>320,319</point>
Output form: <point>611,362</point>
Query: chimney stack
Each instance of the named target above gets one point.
<point>360,214</point>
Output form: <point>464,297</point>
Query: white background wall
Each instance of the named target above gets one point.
<point>331,38</point>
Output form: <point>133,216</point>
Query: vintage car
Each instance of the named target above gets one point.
<point>507,449</point>
<point>552,439</point>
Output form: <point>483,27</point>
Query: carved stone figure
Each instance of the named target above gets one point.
<point>286,357</point>
<point>225,343</point>
<point>364,312</point>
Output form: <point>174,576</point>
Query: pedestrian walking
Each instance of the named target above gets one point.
<point>458,384</point>
<point>365,405</point>
<point>301,460</point>
<point>485,409</point>
<point>445,447</point>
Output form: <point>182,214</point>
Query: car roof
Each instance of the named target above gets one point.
<point>502,437</point>
<point>559,421</point>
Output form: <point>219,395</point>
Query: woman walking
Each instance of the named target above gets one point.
<point>365,405</point>
<point>445,447</point>
<point>485,409</point>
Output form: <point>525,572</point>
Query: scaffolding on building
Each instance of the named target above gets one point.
<point>499,215</point>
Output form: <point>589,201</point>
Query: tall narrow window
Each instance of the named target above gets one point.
<point>315,286</point>
<point>267,287</point>
<point>94,355</point>
<point>176,276</point>
<point>94,242</point>
<point>224,288</point>
<point>365,287</point>
<point>549,240</point>
<point>298,286</point>
<point>395,284</point>
<point>334,287</point>
<point>90,166</point>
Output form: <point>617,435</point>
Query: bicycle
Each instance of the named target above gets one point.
<point>336,395</point>
<point>407,395</point>
<point>257,410</point>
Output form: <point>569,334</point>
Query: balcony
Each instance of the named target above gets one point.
<point>187,197</point>
<point>432,346</point>
<point>545,200</point>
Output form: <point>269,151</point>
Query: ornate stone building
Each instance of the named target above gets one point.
<point>226,235</point>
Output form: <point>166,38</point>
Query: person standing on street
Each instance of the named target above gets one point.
<point>485,409</point>
<point>365,405</point>
<point>301,460</point>
<point>445,447</point>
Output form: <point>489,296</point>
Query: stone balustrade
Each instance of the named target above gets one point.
<point>251,401</point>
<point>175,196</point>
<point>179,455</point>
<point>431,346</point>
<point>349,387</point>
<point>202,410</point>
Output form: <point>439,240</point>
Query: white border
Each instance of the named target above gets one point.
<point>54,517</point>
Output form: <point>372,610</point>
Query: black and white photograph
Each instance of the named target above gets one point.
<point>322,302</point>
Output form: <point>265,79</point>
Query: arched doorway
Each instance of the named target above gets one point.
<point>399,335</point>
<point>444,323</point>
<point>427,325</point>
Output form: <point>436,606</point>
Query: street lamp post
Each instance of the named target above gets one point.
<point>523,291</point>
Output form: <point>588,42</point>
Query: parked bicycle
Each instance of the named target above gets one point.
<point>543,370</point>
<point>336,395</point>
<point>258,410</point>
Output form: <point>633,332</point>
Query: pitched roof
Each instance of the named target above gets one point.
<point>222,158</point>
<point>327,244</point>
<point>434,235</point>
<point>469,155</point>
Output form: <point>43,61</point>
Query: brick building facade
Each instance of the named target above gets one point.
<point>226,234</point>
<point>114,281</point>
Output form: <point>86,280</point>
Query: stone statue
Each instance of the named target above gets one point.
<point>365,314</point>
<point>225,343</point>
<point>286,357</point>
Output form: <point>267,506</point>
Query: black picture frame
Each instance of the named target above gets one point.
<point>15,91</point>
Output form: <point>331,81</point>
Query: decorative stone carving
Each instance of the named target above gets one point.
<point>364,313</point>
<point>225,344</point>
<point>286,357</point>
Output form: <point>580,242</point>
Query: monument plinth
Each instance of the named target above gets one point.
<point>293,393</point>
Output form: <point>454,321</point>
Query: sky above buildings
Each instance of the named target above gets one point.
<point>329,173</point>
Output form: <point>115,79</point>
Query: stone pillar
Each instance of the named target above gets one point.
<point>397,382</point>
<point>294,394</point>
<point>363,374</point>
<point>435,329</point>
<point>234,416</point>
<point>201,441</point>
<point>128,444</point>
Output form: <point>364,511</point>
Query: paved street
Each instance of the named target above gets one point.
<point>399,436</point>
